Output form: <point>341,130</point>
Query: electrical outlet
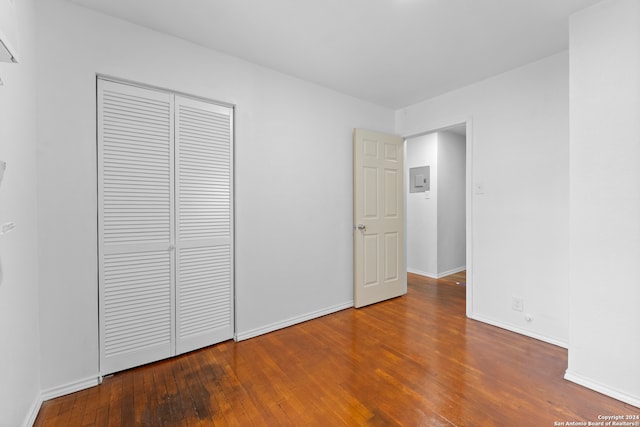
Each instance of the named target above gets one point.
<point>517,304</point>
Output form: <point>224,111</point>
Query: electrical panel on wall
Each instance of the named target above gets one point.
<point>419,179</point>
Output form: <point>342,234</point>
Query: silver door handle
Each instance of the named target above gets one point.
<point>361,227</point>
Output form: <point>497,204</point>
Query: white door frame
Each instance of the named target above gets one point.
<point>233,109</point>
<point>468,197</point>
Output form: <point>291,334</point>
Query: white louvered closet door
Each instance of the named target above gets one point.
<point>135,220</point>
<point>204,224</point>
<point>165,195</point>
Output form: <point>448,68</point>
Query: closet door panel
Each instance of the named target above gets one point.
<point>204,224</point>
<point>135,219</point>
<point>137,319</point>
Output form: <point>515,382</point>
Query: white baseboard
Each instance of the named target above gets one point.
<point>422,273</point>
<point>436,275</point>
<point>54,392</point>
<point>600,388</point>
<point>69,388</point>
<point>520,331</point>
<point>33,412</point>
<point>292,321</point>
<point>452,271</point>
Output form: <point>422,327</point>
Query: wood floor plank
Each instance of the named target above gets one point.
<point>416,360</point>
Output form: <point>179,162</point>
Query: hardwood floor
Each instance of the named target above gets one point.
<point>411,361</point>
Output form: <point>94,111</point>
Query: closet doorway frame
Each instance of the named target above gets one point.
<point>232,178</point>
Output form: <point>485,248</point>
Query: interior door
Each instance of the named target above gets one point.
<point>378,239</point>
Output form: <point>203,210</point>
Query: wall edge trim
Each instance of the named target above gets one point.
<point>32,414</point>
<point>452,271</point>
<point>292,321</point>
<point>69,388</point>
<point>601,388</point>
<point>422,273</point>
<point>437,275</point>
<point>539,337</point>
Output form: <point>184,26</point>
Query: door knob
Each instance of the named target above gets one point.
<point>361,227</point>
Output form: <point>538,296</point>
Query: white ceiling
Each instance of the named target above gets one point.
<point>390,52</point>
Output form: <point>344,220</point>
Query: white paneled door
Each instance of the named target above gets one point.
<point>379,260</point>
<point>165,224</point>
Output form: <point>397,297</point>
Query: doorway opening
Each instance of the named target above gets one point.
<point>438,205</point>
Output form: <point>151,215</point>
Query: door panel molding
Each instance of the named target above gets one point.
<point>379,258</point>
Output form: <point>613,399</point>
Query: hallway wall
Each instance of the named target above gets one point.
<point>452,244</point>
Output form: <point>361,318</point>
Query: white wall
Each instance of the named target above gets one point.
<point>520,147</point>
<point>451,203</point>
<point>19,335</point>
<point>605,199</point>
<point>422,208</point>
<point>293,179</point>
